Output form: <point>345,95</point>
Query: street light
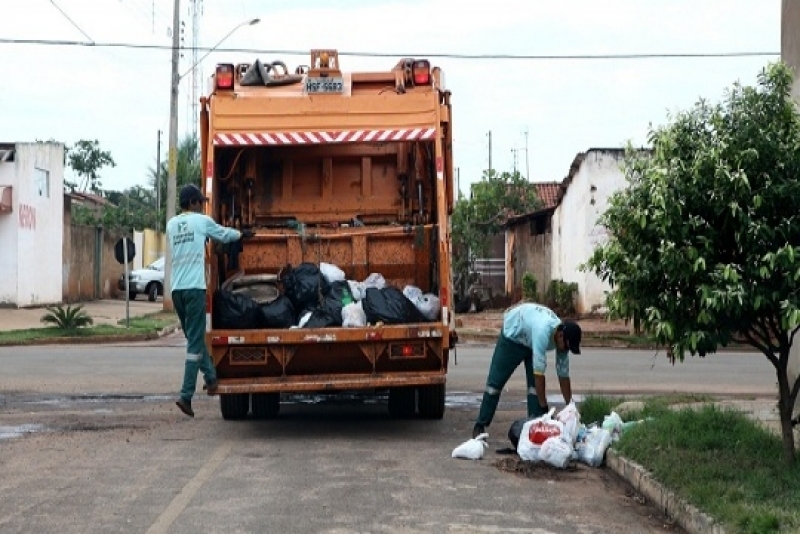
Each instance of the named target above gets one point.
<point>173,136</point>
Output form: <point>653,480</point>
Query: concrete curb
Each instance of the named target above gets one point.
<point>686,515</point>
<point>95,340</point>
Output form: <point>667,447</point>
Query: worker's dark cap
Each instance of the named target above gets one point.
<point>191,193</point>
<point>572,336</point>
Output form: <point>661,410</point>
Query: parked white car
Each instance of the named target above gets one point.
<point>148,281</point>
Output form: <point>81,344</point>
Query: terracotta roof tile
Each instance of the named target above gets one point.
<point>548,193</point>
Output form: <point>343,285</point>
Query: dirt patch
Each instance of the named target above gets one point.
<point>539,470</point>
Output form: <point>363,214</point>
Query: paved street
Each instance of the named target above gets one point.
<point>95,444</point>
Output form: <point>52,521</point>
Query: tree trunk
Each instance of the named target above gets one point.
<point>785,407</point>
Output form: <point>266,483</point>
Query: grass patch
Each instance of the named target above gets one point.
<point>145,324</point>
<point>720,461</point>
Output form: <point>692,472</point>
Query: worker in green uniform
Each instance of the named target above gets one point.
<point>186,236</point>
<point>529,331</point>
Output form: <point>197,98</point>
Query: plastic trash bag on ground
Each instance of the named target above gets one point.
<point>571,419</point>
<point>556,451</point>
<point>353,316</point>
<point>390,306</point>
<point>515,431</point>
<point>612,423</point>
<point>331,272</point>
<point>592,449</point>
<point>535,432</point>
<point>472,449</point>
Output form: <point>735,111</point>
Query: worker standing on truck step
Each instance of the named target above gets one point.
<point>186,237</point>
<point>529,331</point>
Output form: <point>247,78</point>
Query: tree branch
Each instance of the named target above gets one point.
<point>763,348</point>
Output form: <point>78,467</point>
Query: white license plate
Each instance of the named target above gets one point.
<point>324,85</point>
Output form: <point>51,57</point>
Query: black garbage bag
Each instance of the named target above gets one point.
<point>234,310</point>
<point>338,297</point>
<point>322,318</point>
<point>516,429</point>
<point>304,285</point>
<point>277,314</point>
<point>390,306</point>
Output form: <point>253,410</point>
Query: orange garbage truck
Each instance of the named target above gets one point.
<point>343,184</point>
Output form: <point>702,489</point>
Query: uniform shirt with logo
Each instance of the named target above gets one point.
<point>533,326</point>
<point>186,236</point>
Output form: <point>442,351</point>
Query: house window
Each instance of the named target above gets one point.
<point>42,178</point>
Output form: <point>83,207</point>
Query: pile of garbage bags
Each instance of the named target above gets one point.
<point>556,439</point>
<point>321,296</point>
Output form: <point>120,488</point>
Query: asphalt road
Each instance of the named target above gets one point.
<point>90,441</point>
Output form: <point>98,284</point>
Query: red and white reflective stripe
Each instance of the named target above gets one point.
<point>315,138</point>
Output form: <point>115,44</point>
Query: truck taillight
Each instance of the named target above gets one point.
<point>224,76</point>
<point>421,71</point>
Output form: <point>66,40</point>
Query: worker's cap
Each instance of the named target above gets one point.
<point>191,193</point>
<point>572,336</point>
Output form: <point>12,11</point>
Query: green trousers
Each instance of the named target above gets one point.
<point>190,305</point>
<point>506,358</point>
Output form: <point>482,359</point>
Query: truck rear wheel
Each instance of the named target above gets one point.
<point>266,405</point>
<point>402,402</point>
<point>431,401</point>
<point>234,406</point>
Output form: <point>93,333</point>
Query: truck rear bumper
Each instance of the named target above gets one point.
<point>327,383</point>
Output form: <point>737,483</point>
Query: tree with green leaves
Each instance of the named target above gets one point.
<point>187,170</point>
<point>86,159</point>
<point>493,200</point>
<point>704,243</point>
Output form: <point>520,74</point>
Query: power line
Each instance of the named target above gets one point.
<point>441,55</point>
<point>72,22</point>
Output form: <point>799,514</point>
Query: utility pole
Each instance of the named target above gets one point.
<point>172,167</point>
<point>490,149</point>
<point>527,165</point>
<point>158,184</point>
<point>514,152</point>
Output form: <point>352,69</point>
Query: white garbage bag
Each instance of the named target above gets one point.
<point>429,306</point>
<point>353,316</point>
<point>556,451</point>
<point>357,289</point>
<point>535,432</point>
<point>331,272</point>
<point>375,280</point>
<point>472,449</point>
<point>592,449</point>
<point>427,303</point>
<point>412,293</point>
<point>613,424</point>
<point>571,419</point>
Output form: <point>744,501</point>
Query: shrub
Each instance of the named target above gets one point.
<point>70,318</point>
<point>529,291</point>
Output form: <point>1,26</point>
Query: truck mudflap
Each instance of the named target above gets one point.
<point>329,359</point>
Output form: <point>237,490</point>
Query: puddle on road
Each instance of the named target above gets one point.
<point>65,401</point>
<point>17,431</point>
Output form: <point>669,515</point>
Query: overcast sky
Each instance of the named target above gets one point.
<point>120,96</point>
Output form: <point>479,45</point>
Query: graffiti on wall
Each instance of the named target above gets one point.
<point>27,217</point>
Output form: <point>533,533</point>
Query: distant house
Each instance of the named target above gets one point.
<point>553,242</point>
<point>31,223</point>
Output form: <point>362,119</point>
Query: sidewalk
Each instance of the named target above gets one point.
<point>107,311</point>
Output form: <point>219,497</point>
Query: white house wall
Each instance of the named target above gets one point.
<point>8,239</point>
<point>39,216</point>
<point>576,231</point>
